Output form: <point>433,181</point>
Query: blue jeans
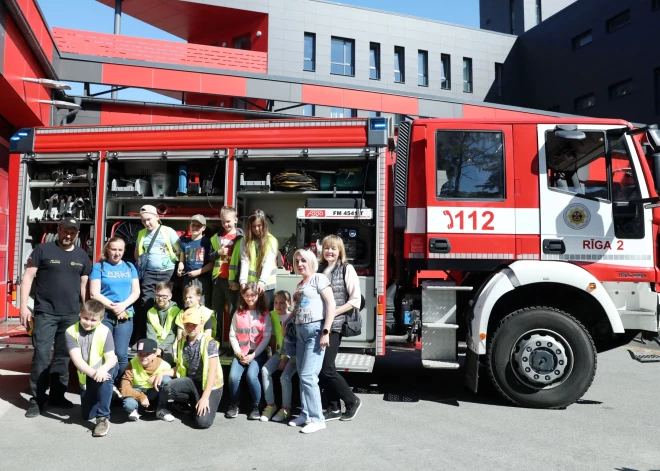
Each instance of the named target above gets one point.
<point>130,404</point>
<point>309,358</point>
<point>235,374</point>
<point>267,371</point>
<point>95,399</point>
<point>121,334</point>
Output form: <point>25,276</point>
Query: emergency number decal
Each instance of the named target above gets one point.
<point>484,220</point>
<point>334,213</point>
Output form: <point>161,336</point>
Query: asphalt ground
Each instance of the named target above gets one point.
<point>412,418</point>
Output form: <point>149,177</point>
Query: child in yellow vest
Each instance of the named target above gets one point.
<point>192,295</point>
<point>92,351</point>
<point>137,384</point>
<point>198,372</point>
<point>161,321</point>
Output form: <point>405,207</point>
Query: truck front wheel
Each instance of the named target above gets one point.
<point>541,357</point>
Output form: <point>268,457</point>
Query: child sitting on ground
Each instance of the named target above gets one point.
<point>192,295</point>
<point>161,318</point>
<point>249,335</point>
<point>279,361</point>
<point>92,350</point>
<point>138,386</point>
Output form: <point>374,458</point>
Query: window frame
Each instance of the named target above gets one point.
<point>499,67</point>
<point>423,75</point>
<point>375,48</point>
<point>577,99</point>
<point>655,5</point>
<point>351,64</point>
<point>352,112</point>
<point>313,108</point>
<point>312,59</point>
<point>575,41</point>
<point>539,12</point>
<point>447,72</point>
<point>467,61</point>
<point>656,86</point>
<point>512,17</point>
<point>400,53</point>
<point>612,89</point>
<point>611,26</point>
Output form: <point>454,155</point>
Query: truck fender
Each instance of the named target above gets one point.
<point>525,272</point>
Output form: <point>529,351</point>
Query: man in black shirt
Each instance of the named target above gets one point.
<point>59,272</point>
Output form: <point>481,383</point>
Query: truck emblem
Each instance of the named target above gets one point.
<point>577,216</point>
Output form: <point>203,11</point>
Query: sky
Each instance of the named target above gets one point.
<point>90,15</point>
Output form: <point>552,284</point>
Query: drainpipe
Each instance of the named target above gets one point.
<point>117,31</point>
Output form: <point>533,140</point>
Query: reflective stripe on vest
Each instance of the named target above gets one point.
<point>206,315</point>
<point>140,375</point>
<point>277,328</point>
<point>154,319</point>
<point>96,349</point>
<point>217,266</point>
<point>163,230</point>
<point>235,261</point>
<point>247,331</point>
<point>253,270</point>
<point>181,370</point>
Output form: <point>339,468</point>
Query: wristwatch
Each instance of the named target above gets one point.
<point>326,332</point>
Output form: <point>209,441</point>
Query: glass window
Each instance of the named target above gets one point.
<point>655,5</point>
<point>512,19</point>
<point>242,43</point>
<point>309,110</point>
<point>620,89</point>
<point>656,80</point>
<point>399,65</point>
<point>445,72</point>
<point>585,101</point>
<point>628,219</point>
<point>499,70</point>
<point>374,61</point>
<point>618,21</point>
<point>469,165</point>
<point>422,68</point>
<point>342,59</point>
<point>467,75</point>
<point>343,113</point>
<point>374,114</point>
<point>582,40</point>
<point>538,12</point>
<point>310,52</point>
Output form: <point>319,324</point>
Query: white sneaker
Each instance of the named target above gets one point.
<point>313,427</point>
<point>164,414</point>
<point>133,416</point>
<point>299,421</point>
<point>116,392</point>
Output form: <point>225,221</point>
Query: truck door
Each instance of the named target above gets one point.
<point>471,215</point>
<point>586,185</point>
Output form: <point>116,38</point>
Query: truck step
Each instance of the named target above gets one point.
<point>449,288</point>
<point>439,342</point>
<point>440,365</point>
<point>355,362</point>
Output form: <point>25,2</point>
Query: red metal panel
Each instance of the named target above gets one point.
<point>177,80</point>
<point>224,85</point>
<point>475,111</point>
<point>319,95</point>
<point>359,100</point>
<point>526,162</point>
<point>152,50</point>
<point>400,104</point>
<point>122,114</point>
<point>128,75</point>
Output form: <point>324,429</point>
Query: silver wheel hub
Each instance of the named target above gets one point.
<point>541,359</point>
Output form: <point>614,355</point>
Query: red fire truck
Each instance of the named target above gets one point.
<point>524,245</point>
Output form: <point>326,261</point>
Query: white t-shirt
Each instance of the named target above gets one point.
<point>309,305</point>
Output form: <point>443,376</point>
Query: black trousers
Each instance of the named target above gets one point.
<point>49,329</point>
<point>188,391</point>
<point>333,385</point>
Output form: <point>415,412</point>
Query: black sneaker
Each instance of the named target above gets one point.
<point>232,412</point>
<point>255,414</point>
<point>60,402</point>
<point>352,412</point>
<point>34,410</point>
<point>332,415</point>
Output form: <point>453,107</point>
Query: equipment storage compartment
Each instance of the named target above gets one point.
<point>179,184</point>
<point>313,194</point>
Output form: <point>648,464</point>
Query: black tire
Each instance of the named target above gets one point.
<point>507,382</point>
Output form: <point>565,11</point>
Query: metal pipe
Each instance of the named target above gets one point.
<point>117,31</point>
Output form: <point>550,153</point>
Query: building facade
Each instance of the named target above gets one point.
<point>517,16</point>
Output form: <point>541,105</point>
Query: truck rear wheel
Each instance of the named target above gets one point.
<point>541,357</point>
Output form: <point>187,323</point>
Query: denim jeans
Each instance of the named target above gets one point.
<point>309,358</point>
<point>121,333</point>
<point>95,399</point>
<point>267,372</point>
<point>236,372</point>
<point>187,391</point>
<point>130,403</point>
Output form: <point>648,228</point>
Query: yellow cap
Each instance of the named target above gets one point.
<point>192,316</point>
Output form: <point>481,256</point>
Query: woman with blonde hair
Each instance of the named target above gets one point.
<point>346,291</point>
<point>115,284</point>
<point>259,256</point>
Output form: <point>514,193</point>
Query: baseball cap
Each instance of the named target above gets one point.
<point>70,222</point>
<point>199,218</point>
<point>150,209</point>
<point>192,316</point>
<point>147,346</point>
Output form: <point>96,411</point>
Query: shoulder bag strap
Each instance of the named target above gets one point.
<point>153,240</point>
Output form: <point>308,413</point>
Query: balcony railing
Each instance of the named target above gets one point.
<point>156,51</point>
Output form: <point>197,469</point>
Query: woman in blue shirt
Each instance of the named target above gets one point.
<point>115,284</point>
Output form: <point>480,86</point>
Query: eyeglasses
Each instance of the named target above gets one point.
<point>162,296</point>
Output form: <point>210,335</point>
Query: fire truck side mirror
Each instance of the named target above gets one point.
<point>570,132</point>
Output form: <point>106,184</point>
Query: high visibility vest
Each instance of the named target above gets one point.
<point>140,375</point>
<point>95,351</point>
<point>154,319</point>
<point>217,265</point>
<point>206,315</point>
<point>181,370</point>
<point>254,271</point>
<point>248,331</point>
<point>235,261</point>
<point>164,231</point>
<point>277,328</point>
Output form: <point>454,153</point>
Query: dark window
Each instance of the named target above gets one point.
<point>309,110</point>
<point>374,114</point>
<point>242,43</point>
<point>374,61</point>
<point>656,80</point>
<point>469,165</point>
<point>342,57</point>
<point>618,21</point>
<point>343,113</point>
<point>445,71</point>
<point>655,5</point>
<point>467,75</point>
<point>582,40</point>
<point>423,68</point>
<point>499,71</point>
<point>538,12</point>
<point>620,89</point>
<point>310,52</point>
<point>399,64</point>
<point>585,101</point>
<point>512,17</point>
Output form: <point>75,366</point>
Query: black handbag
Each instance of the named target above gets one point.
<point>352,326</point>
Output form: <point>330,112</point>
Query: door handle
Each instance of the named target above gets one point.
<point>439,246</point>
<point>553,246</point>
